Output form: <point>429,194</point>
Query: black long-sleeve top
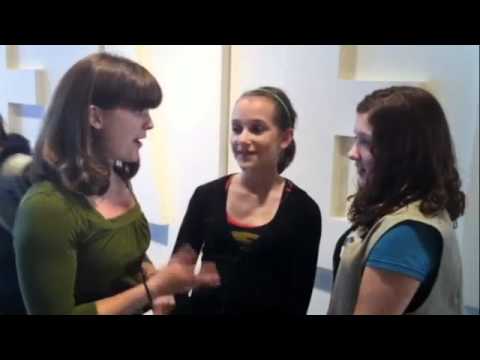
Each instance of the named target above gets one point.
<point>268,269</point>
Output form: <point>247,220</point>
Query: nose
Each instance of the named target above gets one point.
<point>244,137</point>
<point>353,153</point>
<point>148,123</point>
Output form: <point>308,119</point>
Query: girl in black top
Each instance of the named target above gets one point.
<point>260,230</point>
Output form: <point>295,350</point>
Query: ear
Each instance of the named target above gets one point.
<point>95,117</point>
<point>287,138</point>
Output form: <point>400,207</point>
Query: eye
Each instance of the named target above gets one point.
<point>257,128</point>
<point>361,141</point>
<point>140,112</point>
<point>237,129</point>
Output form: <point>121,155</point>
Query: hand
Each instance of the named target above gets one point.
<point>208,275</point>
<point>175,278</point>
<point>163,305</point>
<point>178,276</point>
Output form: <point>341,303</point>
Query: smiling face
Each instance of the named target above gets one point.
<point>122,130</point>
<point>256,140</point>
<point>361,149</point>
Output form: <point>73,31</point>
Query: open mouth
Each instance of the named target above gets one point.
<point>138,142</point>
<point>361,171</point>
<point>244,154</point>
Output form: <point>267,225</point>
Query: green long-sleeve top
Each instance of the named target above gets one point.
<point>68,255</point>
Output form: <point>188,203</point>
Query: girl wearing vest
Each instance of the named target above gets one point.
<point>401,255</point>
<point>259,228</point>
<point>80,236</point>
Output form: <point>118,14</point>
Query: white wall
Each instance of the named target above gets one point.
<point>188,123</point>
<point>51,62</point>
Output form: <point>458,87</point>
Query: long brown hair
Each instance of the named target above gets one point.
<point>68,149</point>
<point>414,157</point>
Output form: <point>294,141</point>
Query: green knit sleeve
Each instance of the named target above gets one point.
<point>45,235</point>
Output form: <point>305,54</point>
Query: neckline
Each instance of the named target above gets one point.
<point>80,201</point>
<point>287,187</point>
<point>125,217</point>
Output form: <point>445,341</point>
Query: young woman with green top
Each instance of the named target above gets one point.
<point>80,236</point>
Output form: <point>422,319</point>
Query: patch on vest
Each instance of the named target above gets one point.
<point>351,240</point>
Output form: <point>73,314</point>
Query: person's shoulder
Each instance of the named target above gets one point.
<point>48,215</point>
<point>45,194</point>
<point>15,164</point>
<point>300,195</point>
<point>414,231</point>
<point>214,185</point>
<point>17,143</point>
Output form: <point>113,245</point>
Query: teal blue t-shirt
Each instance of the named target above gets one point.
<point>413,249</point>
<point>410,248</point>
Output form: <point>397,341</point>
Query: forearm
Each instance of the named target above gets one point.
<point>131,301</point>
<point>148,267</point>
<point>137,298</point>
<point>176,277</point>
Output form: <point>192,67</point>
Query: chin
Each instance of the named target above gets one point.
<point>360,182</point>
<point>131,159</point>
<point>243,163</point>
<point>243,166</point>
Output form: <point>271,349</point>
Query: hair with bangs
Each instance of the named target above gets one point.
<point>414,157</point>
<point>68,149</point>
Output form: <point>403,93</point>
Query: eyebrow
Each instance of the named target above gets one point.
<point>250,120</point>
<point>362,134</point>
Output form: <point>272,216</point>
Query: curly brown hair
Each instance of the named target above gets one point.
<point>414,157</point>
<point>68,150</point>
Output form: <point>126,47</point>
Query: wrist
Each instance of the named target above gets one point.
<point>147,290</point>
<point>154,286</point>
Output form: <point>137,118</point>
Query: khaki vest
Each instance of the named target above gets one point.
<point>446,294</point>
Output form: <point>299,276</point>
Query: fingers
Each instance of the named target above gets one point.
<point>178,276</point>
<point>163,305</point>
<point>208,275</point>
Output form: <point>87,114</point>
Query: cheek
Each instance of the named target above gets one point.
<point>119,138</point>
<point>368,162</point>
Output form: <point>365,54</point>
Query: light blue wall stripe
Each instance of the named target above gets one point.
<point>323,279</point>
<point>469,310</point>
<point>31,111</point>
<point>159,233</point>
